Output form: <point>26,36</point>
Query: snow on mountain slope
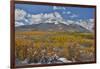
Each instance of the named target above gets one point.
<point>24,18</point>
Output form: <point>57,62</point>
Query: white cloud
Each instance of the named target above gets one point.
<point>29,15</point>
<point>57,15</point>
<point>91,20</point>
<point>50,15</point>
<point>26,20</point>
<point>19,23</point>
<point>70,21</point>
<point>23,18</point>
<point>68,12</point>
<point>55,8</point>
<point>58,8</point>
<point>20,17</point>
<point>73,16</point>
<point>19,14</point>
<point>37,18</point>
<point>54,17</point>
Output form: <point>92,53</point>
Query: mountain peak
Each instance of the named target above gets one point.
<point>24,18</point>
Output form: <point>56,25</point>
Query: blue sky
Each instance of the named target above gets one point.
<point>66,12</point>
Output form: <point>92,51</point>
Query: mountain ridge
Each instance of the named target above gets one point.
<point>54,17</point>
<point>52,27</point>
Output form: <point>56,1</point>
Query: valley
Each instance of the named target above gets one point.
<point>39,47</point>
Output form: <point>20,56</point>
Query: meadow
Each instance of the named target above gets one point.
<point>37,45</point>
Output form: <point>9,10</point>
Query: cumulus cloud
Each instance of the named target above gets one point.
<point>50,15</point>
<point>70,21</point>
<point>21,17</point>
<point>55,8</point>
<point>74,16</point>
<point>29,15</point>
<point>47,17</point>
<point>91,20</point>
<point>37,18</point>
<point>57,15</point>
<point>58,8</point>
<point>66,12</point>
<point>24,18</point>
<point>19,23</point>
<point>20,14</point>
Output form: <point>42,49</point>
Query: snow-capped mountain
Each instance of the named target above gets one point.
<point>24,18</point>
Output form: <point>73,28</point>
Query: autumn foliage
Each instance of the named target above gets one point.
<point>72,46</point>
